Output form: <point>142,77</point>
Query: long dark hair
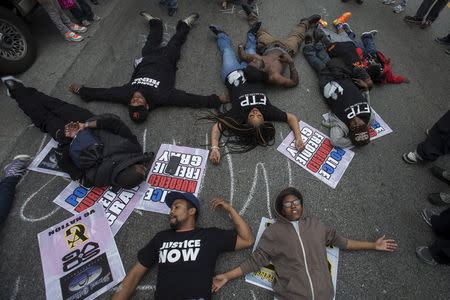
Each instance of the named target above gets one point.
<point>242,137</point>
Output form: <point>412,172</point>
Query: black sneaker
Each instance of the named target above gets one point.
<point>255,27</point>
<point>426,24</point>
<point>171,11</point>
<point>215,29</point>
<point>248,10</point>
<point>11,84</point>
<point>442,41</point>
<point>424,254</point>
<point>359,1</point>
<point>314,19</point>
<point>441,174</point>
<point>439,198</point>
<point>412,20</point>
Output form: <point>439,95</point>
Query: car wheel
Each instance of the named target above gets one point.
<point>17,49</point>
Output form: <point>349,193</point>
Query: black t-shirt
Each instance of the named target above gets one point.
<point>186,261</point>
<point>246,94</point>
<point>346,51</point>
<point>347,101</point>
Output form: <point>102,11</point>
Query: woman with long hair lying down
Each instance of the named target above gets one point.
<point>247,124</point>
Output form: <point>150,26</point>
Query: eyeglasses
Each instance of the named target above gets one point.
<point>290,203</point>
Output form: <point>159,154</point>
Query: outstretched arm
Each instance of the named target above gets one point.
<point>293,124</point>
<point>220,280</point>
<point>214,156</point>
<point>381,244</point>
<point>120,94</point>
<point>130,282</point>
<point>245,237</point>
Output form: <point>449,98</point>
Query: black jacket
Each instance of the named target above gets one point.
<point>121,149</point>
<point>155,78</point>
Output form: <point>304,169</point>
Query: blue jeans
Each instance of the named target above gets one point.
<point>230,62</point>
<point>169,3</point>
<point>369,45</point>
<point>352,36</point>
<point>7,190</point>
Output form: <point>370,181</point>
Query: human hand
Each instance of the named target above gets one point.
<point>71,129</point>
<point>299,144</point>
<point>219,202</point>
<point>406,80</point>
<point>214,156</point>
<point>224,98</point>
<point>218,282</point>
<point>75,88</point>
<point>383,244</point>
<point>361,84</point>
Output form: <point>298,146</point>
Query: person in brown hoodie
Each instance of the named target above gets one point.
<point>296,246</point>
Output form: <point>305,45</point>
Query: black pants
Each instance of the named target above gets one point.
<point>173,48</point>
<point>47,113</point>
<point>438,6</point>
<point>82,11</point>
<point>440,249</point>
<point>438,141</point>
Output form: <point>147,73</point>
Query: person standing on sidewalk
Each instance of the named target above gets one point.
<point>419,18</point>
<point>83,13</point>
<point>152,83</point>
<point>12,174</point>
<point>62,22</point>
<point>436,144</point>
<point>439,251</point>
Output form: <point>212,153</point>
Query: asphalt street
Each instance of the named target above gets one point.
<point>378,194</point>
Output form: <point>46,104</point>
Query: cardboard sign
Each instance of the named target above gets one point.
<point>45,161</point>
<point>378,129</point>
<point>320,158</point>
<point>80,257</point>
<point>265,276</point>
<point>118,204</point>
<point>175,168</point>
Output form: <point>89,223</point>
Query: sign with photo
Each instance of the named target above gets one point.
<point>118,203</point>
<point>79,257</point>
<point>378,129</point>
<point>320,158</point>
<point>175,168</point>
<point>265,276</point>
<point>45,161</point>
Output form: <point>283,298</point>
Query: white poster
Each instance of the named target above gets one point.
<point>175,168</point>
<point>79,257</point>
<point>320,158</point>
<point>45,161</point>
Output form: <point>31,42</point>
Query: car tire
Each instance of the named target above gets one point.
<point>17,49</point>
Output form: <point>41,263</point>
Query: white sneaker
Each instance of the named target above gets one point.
<point>412,157</point>
<point>398,9</point>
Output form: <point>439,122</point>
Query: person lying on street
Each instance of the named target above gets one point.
<point>98,150</point>
<point>153,80</point>
<point>186,255</point>
<point>247,124</point>
<point>296,246</point>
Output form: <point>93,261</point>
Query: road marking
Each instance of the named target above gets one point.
<point>144,139</point>
<point>253,295</point>
<point>16,289</point>
<point>230,167</point>
<point>22,208</point>
<point>261,166</point>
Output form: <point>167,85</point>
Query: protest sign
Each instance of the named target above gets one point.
<point>175,168</point>
<point>79,257</point>
<point>265,276</point>
<point>118,203</point>
<point>45,161</point>
<point>320,158</point>
<point>378,129</point>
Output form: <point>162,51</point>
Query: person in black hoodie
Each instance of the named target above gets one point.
<point>153,80</point>
<point>247,124</point>
<point>98,150</point>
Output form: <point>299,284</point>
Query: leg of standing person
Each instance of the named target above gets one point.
<point>87,10</point>
<point>295,38</point>
<point>78,14</point>
<point>423,9</point>
<point>154,37</point>
<point>61,21</point>
<point>441,223</point>
<point>437,142</point>
<point>438,6</point>
<point>13,172</point>
<point>47,113</point>
<point>173,47</point>
<point>440,251</point>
